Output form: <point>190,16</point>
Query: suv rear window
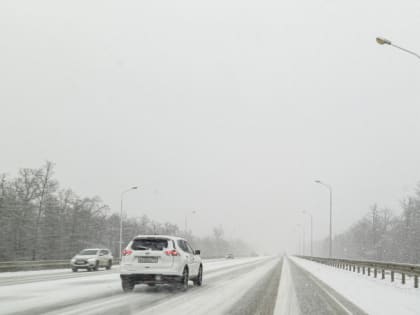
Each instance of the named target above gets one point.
<point>149,243</point>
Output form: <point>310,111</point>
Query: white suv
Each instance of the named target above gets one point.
<point>160,259</point>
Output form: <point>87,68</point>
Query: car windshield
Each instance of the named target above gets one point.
<point>149,243</point>
<point>86,252</point>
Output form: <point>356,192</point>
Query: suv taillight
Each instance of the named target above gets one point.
<point>127,252</point>
<point>171,252</point>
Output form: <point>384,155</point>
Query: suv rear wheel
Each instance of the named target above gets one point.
<point>199,280</point>
<point>127,286</point>
<point>184,280</point>
<point>109,265</point>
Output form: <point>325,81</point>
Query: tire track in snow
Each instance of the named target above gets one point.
<point>116,302</point>
<point>261,298</point>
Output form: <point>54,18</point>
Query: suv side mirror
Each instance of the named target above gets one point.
<point>101,254</point>
<point>197,252</point>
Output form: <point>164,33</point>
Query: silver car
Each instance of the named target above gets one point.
<point>92,259</point>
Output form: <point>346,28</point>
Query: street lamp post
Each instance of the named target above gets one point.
<point>384,41</point>
<point>330,190</point>
<point>310,215</point>
<point>302,237</point>
<point>186,220</point>
<point>299,240</point>
<point>121,216</point>
<point>299,247</point>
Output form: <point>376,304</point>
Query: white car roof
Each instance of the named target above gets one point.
<point>95,249</point>
<point>160,236</point>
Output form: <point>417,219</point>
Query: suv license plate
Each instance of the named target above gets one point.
<point>147,260</point>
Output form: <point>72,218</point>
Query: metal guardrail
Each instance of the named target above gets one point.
<point>369,266</point>
<point>38,265</point>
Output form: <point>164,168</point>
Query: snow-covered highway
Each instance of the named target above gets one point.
<point>246,286</point>
<point>225,290</point>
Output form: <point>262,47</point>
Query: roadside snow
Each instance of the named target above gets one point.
<point>9,274</point>
<point>374,296</point>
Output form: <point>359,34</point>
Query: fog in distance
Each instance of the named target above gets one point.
<point>229,108</point>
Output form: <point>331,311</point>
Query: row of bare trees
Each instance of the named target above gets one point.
<point>39,220</point>
<point>382,235</point>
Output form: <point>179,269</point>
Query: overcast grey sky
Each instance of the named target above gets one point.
<point>231,108</point>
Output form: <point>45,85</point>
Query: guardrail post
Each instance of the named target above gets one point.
<point>346,264</point>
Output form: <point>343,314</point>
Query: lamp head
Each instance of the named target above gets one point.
<point>383,41</point>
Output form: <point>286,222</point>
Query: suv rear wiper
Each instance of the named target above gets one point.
<point>140,248</point>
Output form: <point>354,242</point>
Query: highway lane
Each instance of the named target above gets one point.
<point>315,297</point>
<point>21,277</point>
<point>221,291</point>
<point>239,287</point>
<point>100,292</point>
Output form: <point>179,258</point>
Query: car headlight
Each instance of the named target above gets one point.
<point>73,260</point>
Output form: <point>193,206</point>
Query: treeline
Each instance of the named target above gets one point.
<point>39,220</point>
<point>381,235</point>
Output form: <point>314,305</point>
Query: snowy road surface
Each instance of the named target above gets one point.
<point>314,297</point>
<point>229,286</point>
<point>245,286</point>
<point>373,296</point>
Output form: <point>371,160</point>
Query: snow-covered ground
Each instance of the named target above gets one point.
<point>9,274</point>
<point>228,284</point>
<point>374,296</point>
<point>99,292</point>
